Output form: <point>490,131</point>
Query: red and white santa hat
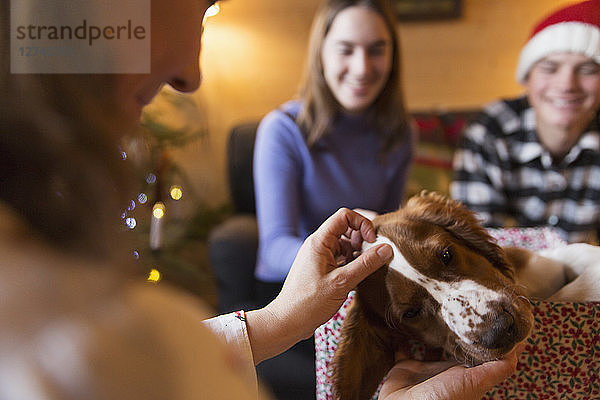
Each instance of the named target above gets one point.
<point>575,29</point>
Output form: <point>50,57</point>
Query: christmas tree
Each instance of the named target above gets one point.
<point>169,221</point>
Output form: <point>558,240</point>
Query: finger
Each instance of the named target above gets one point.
<point>343,219</point>
<point>346,248</point>
<point>364,265</point>
<point>411,372</point>
<point>348,232</point>
<point>346,253</point>
<point>367,230</point>
<point>519,348</point>
<point>477,380</point>
<point>408,373</point>
<point>325,242</point>
<point>457,382</point>
<point>486,375</point>
<point>356,240</point>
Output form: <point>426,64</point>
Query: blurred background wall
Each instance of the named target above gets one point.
<point>253,54</point>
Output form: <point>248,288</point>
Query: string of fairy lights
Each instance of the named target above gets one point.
<point>157,216</point>
<point>159,208</point>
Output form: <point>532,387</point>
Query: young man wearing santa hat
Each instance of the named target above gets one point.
<point>535,160</point>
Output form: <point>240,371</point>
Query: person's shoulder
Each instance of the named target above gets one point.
<point>503,117</point>
<point>280,125</point>
<point>286,112</point>
<point>291,108</point>
<point>498,107</point>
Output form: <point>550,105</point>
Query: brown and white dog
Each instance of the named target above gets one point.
<point>449,286</point>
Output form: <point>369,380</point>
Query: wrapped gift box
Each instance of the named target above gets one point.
<point>562,356</point>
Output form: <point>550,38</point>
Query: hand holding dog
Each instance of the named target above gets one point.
<point>444,380</point>
<point>318,283</point>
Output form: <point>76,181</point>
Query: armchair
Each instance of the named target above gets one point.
<point>233,244</point>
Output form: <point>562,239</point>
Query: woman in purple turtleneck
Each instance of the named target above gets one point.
<point>345,142</point>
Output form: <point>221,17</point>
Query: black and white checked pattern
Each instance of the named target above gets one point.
<point>502,172</point>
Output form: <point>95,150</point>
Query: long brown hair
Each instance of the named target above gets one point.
<point>320,108</point>
<point>61,169</point>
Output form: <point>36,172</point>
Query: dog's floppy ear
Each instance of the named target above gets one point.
<point>363,357</point>
<point>453,216</point>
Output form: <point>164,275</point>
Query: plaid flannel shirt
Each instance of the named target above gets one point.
<point>502,172</point>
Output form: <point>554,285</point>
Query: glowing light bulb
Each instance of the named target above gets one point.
<point>150,178</point>
<point>131,223</point>
<point>142,198</point>
<point>158,211</point>
<point>176,192</point>
<point>212,10</point>
<point>154,275</point>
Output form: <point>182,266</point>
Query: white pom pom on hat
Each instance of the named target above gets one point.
<point>574,29</point>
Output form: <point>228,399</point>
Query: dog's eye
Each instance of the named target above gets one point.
<point>411,312</point>
<point>447,255</point>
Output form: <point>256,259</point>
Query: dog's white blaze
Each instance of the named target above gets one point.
<point>463,303</point>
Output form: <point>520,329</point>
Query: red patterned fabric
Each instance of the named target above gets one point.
<point>561,360</point>
<point>562,357</point>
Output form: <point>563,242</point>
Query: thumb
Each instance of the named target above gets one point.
<point>492,372</point>
<point>365,264</point>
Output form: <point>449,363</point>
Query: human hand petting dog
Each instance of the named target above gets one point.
<point>444,380</point>
<point>322,275</point>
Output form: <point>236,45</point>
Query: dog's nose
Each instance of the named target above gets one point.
<point>501,333</point>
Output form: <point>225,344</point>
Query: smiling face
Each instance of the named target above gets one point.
<point>357,57</point>
<point>176,30</point>
<point>564,89</point>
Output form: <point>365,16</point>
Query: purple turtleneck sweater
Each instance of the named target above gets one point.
<point>297,188</point>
